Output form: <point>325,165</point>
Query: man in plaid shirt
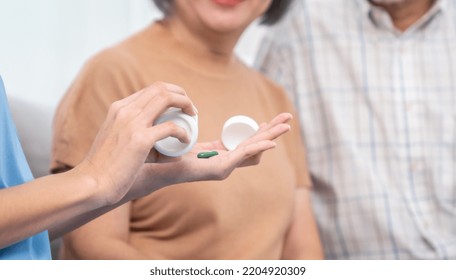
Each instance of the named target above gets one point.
<point>374,83</point>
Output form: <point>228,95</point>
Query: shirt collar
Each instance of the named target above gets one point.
<point>381,18</point>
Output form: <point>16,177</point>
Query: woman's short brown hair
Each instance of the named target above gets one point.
<point>274,13</point>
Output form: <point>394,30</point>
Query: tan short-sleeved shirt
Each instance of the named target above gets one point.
<point>243,217</point>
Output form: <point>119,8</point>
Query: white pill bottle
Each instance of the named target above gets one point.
<point>171,146</point>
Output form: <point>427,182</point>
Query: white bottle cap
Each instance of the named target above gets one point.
<point>237,129</point>
<point>171,146</point>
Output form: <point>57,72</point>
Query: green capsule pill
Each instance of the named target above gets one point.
<point>207,154</point>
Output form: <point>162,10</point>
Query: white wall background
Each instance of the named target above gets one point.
<point>43,45</point>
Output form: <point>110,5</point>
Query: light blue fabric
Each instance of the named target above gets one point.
<point>14,170</point>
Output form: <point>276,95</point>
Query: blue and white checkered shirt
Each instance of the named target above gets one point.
<point>378,114</point>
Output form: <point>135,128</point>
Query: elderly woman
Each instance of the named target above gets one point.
<point>261,212</point>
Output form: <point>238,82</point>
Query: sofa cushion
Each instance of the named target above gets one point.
<point>34,126</point>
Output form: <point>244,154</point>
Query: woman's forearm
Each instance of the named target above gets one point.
<point>44,203</point>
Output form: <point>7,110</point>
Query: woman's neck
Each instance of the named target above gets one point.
<point>219,46</point>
